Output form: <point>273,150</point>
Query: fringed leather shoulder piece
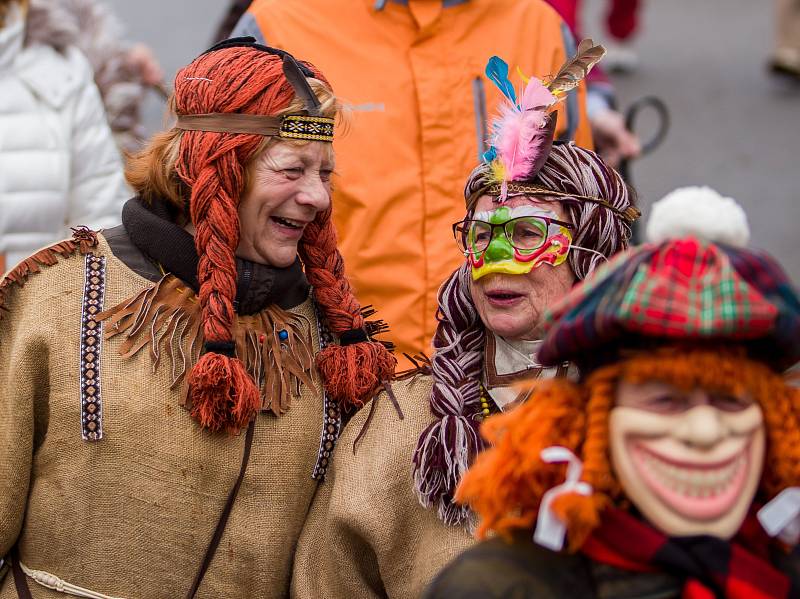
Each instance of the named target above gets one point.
<point>274,345</point>
<point>83,240</point>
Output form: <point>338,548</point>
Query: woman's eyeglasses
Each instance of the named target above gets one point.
<point>524,233</point>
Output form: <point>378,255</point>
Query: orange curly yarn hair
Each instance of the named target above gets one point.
<point>212,169</point>
<point>506,484</point>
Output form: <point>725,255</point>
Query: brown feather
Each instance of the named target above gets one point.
<point>576,68</point>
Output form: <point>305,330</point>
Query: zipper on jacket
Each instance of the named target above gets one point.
<point>244,283</point>
<point>479,104</point>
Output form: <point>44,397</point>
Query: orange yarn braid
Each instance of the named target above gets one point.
<point>507,482</point>
<point>351,373</point>
<point>221,393</point>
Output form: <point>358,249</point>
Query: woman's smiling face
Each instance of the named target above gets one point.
<point>289,185</point>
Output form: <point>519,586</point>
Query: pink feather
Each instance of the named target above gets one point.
<point>536,95</point>
<point>518,131</point>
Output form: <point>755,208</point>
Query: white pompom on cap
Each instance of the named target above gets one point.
<point>698,212</point>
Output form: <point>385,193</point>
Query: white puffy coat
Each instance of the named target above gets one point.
<point>59,166</point>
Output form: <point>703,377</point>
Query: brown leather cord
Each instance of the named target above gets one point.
<point>226,512</point>
<point>388,388</point>
<point>20,578</point>
<point>230,122</point>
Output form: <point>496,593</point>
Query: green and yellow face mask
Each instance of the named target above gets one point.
<point>513,241</point>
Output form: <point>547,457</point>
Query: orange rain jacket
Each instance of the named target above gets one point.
<point>412,73</point>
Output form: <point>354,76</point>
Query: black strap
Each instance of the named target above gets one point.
<point>226,512</point>
<point>353,336</point>
<point>20,578</point>
<point>226,348</point>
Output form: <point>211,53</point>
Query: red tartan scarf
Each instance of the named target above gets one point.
<point>712,568</point>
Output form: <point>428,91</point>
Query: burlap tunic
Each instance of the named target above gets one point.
<point>131,515</point>
<point>367,535</point>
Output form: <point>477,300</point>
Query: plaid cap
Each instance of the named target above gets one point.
<point>680,290</point>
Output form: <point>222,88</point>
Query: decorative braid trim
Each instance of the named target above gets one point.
<point>314,128</point>
<point>92,348</point>
<point>331,412</point>
<point>629,214</point>
<point>83,240</point>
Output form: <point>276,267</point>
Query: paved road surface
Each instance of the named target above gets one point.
<point>733,127</point>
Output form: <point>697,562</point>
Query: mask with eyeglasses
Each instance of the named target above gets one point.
<point>513,241</point>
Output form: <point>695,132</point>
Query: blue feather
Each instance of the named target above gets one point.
<point>497,71</point>
<point>490,154</point>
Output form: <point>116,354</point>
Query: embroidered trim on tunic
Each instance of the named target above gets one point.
<point>91,348</point>
<point>331,413</point>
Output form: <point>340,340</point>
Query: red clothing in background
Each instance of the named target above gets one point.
<point>621,21</point>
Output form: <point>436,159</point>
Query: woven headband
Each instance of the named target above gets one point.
<point>629,214</point>
<point>290,126</point>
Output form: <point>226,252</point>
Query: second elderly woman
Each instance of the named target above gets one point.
<point>171,388</point>
<point>526,239</point>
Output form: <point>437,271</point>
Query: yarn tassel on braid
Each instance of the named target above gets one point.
<point>352,372</point>
<point>222,395</point>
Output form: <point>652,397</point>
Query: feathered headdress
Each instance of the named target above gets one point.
<point>523,133</point>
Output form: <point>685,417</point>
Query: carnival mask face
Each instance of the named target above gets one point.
<point>290,185</point>
<point>514,240</point>
<point>689,461</point>
<point>511,294</point>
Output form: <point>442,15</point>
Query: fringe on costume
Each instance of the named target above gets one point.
<point>274,345</point>
<point>83,240</point>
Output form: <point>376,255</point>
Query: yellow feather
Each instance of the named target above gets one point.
<point>498,171</point>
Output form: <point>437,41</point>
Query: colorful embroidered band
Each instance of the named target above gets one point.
<point>290,126</point>
<point>630,214</point>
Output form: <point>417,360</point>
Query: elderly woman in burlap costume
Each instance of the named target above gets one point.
<point>385,522</point>
<point>172,388</point>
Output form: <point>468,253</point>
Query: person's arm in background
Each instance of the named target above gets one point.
<point>611,138</point>
<point>231,19</point>
<point>97,184</point>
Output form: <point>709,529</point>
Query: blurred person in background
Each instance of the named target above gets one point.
<point>413,75</point>
<point>122,71</point>
<point>786,59</point>
<point>374,530</point>
<point>613,140</point>
<point>59,166</point>
<point>178,380</point>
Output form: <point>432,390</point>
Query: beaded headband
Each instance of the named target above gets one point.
<point>630,214</point>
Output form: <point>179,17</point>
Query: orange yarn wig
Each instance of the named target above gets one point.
<point>212,165</point>
<point>506,484</point>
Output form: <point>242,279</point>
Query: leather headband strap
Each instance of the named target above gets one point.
<point>230,123</point>
<point>292,126</point>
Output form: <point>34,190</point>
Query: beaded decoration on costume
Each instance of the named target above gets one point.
<point>92,347</point>
<point>331,412</point>
<point>274,345</point>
